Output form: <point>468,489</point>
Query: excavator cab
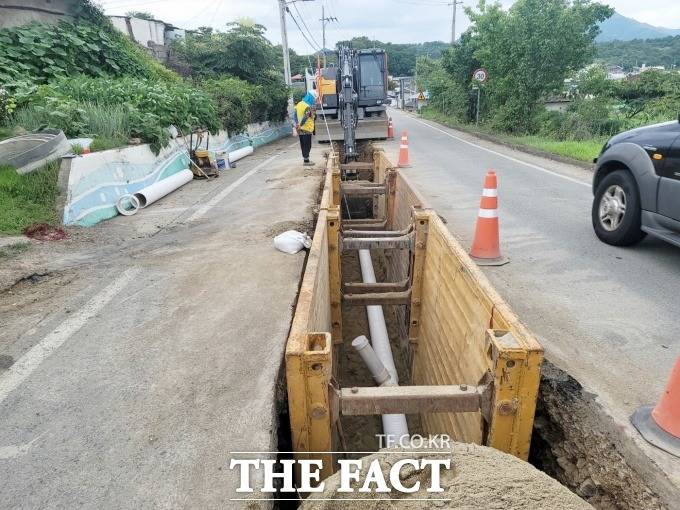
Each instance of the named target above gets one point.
<point>372,79</point>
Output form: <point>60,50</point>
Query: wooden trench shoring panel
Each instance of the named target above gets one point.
<point>464,343</point>
<point>309,349</point>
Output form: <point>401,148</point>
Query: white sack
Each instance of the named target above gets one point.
<point>292,241</point>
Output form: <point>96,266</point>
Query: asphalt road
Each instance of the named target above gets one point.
<point>607,315</point>
<point>132,370</point>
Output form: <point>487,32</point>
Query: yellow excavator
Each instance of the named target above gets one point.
<point>353,97</point>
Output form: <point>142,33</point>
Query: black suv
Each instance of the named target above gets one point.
<point>637,186</point>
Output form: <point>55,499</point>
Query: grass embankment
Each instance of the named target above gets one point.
<point>580,150</point>
<point>27,199</point>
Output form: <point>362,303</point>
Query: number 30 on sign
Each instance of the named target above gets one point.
<point>480,75</point>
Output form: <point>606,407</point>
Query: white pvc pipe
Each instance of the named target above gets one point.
<point>127,205</point>
<point>374,365</point>
<point>240,153</point>
<point>158,190</point>
<point>376,320</point>
<point>394,425</point>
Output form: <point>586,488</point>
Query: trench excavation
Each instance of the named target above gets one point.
<point>567,439</point>
<point>577,443</point>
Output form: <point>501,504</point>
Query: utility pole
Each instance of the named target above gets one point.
<point>455,5</point>
<point>324,21</point>
<point>284,43</point>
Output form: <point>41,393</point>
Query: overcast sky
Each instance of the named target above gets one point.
<point>386,20</point>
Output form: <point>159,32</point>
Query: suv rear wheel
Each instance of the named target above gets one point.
<point>616,210</point>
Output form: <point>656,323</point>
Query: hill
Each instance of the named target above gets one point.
<point>401,57</point>
<point>621,28</point>
<point>653,52</point>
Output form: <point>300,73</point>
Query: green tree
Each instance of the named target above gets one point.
<point>401,58</point>
<point>654,92</point>
<point>529,50</point>
<point>653,52</point>
<point>594,81</point>
<point>446,94</point>
<point>243,51</point>
<point>460,61</point>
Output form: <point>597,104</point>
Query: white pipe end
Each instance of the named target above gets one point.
<point>360,342</point>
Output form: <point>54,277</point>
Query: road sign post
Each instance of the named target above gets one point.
<point>480,76</point>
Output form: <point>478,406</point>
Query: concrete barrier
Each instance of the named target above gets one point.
<point>92,184</point>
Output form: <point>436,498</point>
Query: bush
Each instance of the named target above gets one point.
<point>239,102</point>
<point>38,53</point>
<point>514,116</point>
<point>447,95</point>
<point>278,93</point>
<point>7,106</point>
<point>52,112</point>
<point>104,143</point>
<point>233,98</point>
<point>106,121</point>
<point>298,94</point>
<point>172,103</point>
<point>586,118</point>
<point>117,108</point>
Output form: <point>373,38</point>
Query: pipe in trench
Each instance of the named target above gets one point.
<point>394,425</point>
<point>380,374</point>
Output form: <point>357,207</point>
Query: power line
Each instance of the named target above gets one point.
<point>329,6</point>
<point>201,12</point>
<point>305,24</point>
<point>314,47</point>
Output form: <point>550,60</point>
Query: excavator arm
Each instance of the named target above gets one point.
<point>348,101</point>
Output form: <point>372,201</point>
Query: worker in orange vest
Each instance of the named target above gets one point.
<point>304,115</point>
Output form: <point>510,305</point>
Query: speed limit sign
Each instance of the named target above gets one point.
<point>480,75</point>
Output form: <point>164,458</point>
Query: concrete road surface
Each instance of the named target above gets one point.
<point>607,315</point>
<point>132,369</point>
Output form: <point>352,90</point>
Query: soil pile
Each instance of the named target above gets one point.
<point>479,477</point>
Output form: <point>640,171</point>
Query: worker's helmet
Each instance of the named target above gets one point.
<point>311,97</point>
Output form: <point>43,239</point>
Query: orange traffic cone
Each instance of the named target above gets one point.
<point>486,249</point>
<point>403,151</point>
<point>660,425</point>
<point>390,129</point>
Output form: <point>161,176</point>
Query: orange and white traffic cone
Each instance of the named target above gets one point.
<point>660,424</point>
<point>486,250</point>
<point>403,151</point>
<point>390,129</point>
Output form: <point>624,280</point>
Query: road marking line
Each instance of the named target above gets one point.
<point>25,365</point>
<point>510,158</point>
<point>226,191</point>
